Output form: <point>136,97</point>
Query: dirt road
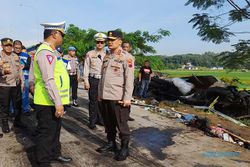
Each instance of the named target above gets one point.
<point>156,141</point>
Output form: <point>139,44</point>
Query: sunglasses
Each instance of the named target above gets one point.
<point>8,45</point>
<point>101,42</point>
<point>62,34</point>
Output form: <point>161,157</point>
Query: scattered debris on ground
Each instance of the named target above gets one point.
<point>212,124</point>
<point>201,91</point>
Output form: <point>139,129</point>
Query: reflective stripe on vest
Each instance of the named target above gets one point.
<point>61,79</point>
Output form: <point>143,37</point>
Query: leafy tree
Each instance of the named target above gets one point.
<point>156,62</point>
<point>215,27</point>
<point>238,59</point>
<point>139,40</point>
<point>80,38</point>
<point>84,42</point>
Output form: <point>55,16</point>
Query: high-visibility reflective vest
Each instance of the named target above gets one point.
<point>61,79</point>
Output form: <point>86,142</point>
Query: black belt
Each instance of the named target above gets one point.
<point>96,76</point>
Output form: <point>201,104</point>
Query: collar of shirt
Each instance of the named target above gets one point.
<point>46,43</point>
<point>118,51</point>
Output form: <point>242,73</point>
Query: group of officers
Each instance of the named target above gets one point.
<point>108,77</point>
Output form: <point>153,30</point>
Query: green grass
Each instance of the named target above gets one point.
<point>245,121</point>
<point>244,77</point>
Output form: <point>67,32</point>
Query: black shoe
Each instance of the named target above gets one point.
<point>63,159</point>
<point>27,113</point>
<point>75,103</point>
<point>69,106</point>
<point>5,126</point>
<point>44,165</point>
<point>123,153</point>
<point>19,124</point>
<point>110,146</point>
<point>130,119</point>
<point>93,127</point>
<point>12,115</point>
<point>100,123</point>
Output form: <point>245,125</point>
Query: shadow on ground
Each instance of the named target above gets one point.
<point>154,140</point>
<point>27,136</point>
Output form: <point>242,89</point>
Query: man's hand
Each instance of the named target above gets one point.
<point>22,87</point>
<point>59,111</point>
<point>125,103</point>
<point>86,86</point>
<point>1,63</point>
<point>6,71</point>
<point>32,88</point>
<point>98,98</point>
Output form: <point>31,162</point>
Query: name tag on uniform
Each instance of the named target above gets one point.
<point>116,65</point>
<point>116,68</point>
<point>118,60</point>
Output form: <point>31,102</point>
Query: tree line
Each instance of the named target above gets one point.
<point>207,60</point>
<point>83,40</point>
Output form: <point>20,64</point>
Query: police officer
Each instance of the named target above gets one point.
<point>50,94</point>
<point>25,60</point>
<point>74,72</point>
<point>91,76</point>
<point>11,83</point>
<point>115,92</point>
<point>127,47</point>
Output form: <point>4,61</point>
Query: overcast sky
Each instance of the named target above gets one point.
<point>20,19</point>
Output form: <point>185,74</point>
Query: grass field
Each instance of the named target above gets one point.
<point>244,77</point>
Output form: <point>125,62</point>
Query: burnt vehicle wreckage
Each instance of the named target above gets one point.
<point>202,92</point>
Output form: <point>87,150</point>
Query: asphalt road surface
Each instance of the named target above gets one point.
<point>156,141</point>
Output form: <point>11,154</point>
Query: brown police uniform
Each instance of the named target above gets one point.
<point>116,84</point>
<point>92,75</point>
<point>10,86</point>
<point>48,145</point>
<point>45,69</point>
<point>74,73</point>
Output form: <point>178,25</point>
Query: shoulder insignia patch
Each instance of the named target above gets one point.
<point>50,58</point>
<point>130,63</point>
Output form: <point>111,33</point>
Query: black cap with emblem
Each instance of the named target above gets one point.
<point>115,34</point>
<point>6,41</point>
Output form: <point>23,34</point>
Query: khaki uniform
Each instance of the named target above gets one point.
<point>116,84</point>
<point>93,65</point>
<point>92,75</point>
<point>11,63</point>
<point>74,65</point>
<point>74,74</point>
<point>117,77</point>
<point>10,85</point>
<point>47,69</point>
